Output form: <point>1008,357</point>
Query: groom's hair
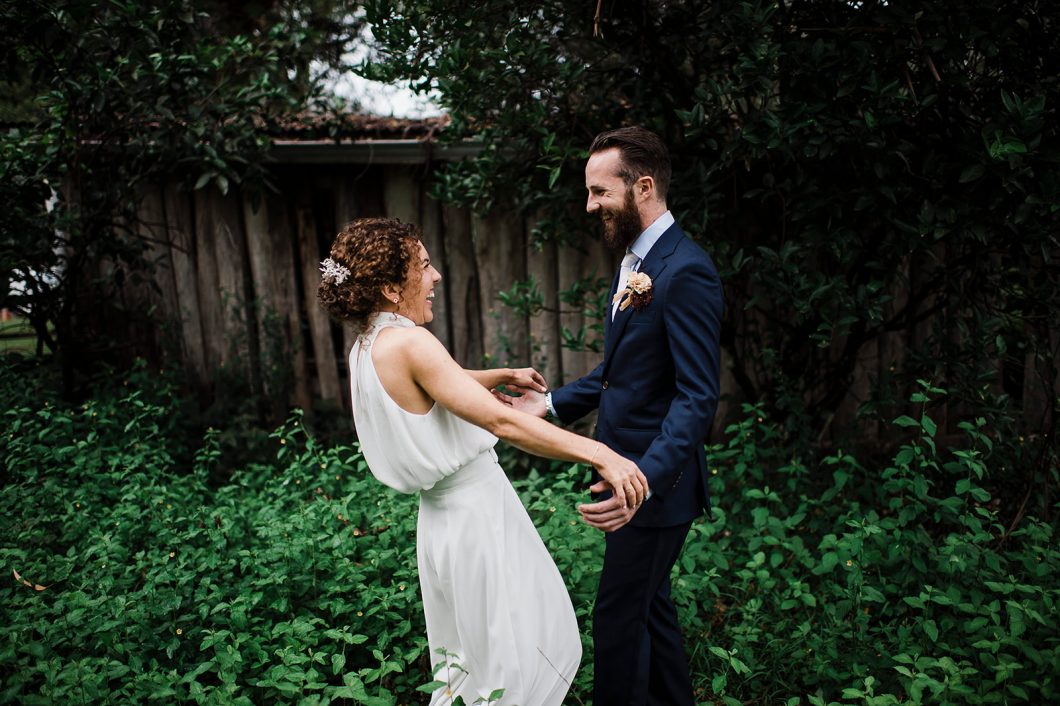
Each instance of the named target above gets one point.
<point>643,154</point>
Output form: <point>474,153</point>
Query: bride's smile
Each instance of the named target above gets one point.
<point>416,301</point>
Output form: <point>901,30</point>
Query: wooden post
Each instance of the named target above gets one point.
<point>545,349</point>
<point>465,310</point>
<point>593,262</point>
<point>180,221</point>
<point>151,225</point>
<point>211,312</point>
<point>319,324</point>
<point>272,266</point>
<point>348,207</point>
<point>500,257</point>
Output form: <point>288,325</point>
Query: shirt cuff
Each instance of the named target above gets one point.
<point>548,405</point>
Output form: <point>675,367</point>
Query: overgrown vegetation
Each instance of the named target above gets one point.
<point>165,578</point>
<point>871,178</point>
<point>102,101</point>
<point>877,181</point>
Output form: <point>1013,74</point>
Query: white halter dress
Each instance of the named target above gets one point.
<point>492,595</point>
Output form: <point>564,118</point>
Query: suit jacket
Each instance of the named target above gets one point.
<point>657,387</point>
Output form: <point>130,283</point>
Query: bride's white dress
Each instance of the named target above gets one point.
<point>492,595</point>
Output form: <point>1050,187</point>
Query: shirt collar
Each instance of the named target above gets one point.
<point>651,235</point>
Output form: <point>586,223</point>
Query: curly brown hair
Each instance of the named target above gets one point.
<point>377,252</point>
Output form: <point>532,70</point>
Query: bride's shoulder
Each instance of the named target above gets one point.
<point>410,340</point>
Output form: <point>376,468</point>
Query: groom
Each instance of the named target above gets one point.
<point>656,391</point>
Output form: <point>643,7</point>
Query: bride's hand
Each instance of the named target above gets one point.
<point>526,378</point>
<point>628,483</point>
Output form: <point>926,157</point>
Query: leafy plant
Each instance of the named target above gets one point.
<point>139,574</point>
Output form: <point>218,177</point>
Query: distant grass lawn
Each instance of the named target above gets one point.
<point>17,336</point>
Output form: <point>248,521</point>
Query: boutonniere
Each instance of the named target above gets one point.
<point>637,292</point>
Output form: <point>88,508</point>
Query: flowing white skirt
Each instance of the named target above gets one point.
<point>492,595</point>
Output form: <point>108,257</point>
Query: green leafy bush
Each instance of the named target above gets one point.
<point>294,581</point>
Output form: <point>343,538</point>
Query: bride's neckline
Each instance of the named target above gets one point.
<point>391,318</point>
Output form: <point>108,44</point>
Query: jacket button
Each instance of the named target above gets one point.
<point>605,384</point>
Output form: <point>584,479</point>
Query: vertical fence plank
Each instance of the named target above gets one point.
<point>592,263</point>
<point>894,344</point>
<point>462,288</point>
<point>868,362</point>
<point>272,266</point>
<point>211,310</point>
<point>348,207</point>
<point>500,258</point>
<point>545,350</point>
<point>180,231</point>
<point>151,226</point>
<point>319,324</point>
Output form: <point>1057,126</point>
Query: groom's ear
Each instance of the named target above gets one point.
<point>644,188</point>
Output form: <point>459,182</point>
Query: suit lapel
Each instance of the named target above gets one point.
<point>652,266</point>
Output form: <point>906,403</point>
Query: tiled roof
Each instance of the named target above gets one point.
<point>353,126</point>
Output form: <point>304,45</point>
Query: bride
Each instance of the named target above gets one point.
<point>498,614</point>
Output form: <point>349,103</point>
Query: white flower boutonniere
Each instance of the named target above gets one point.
<point>637,292</point>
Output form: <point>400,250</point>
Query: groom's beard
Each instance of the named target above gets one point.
<point>623,226</point>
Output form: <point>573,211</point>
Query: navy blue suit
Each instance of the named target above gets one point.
<point>656,391</point>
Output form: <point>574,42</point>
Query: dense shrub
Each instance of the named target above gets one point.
<point>295,582</point>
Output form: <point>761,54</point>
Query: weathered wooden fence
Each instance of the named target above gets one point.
<point>234,274</point>
<point>237,278</point>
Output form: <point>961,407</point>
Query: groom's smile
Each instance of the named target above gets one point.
<point>612,199</point>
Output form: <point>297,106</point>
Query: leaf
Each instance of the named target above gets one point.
<point>828,562</point>
<point>338,661</point>
<point>24,582</point>
<point>931,630</point>
<point>431,687</point>
<point>971,173</point>
<point>204,180</point>
<point>906,421</point>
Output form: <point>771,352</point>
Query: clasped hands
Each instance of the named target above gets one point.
<point>620,475</point>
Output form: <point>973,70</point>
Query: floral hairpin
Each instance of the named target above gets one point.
<point>333,271</point>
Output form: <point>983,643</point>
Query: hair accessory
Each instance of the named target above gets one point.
<point>331,270</point>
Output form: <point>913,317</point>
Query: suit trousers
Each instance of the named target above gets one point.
<point>639,659</point>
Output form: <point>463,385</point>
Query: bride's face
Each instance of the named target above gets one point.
<point>417,294</point>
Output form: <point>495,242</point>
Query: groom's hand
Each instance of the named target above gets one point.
<point>529,401</point>
<point>607,515</point>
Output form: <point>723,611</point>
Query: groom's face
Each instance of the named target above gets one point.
<point>611,199</point>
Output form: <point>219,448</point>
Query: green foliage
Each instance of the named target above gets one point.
<point>294,580</point>
<point>130,95</point>
<point>849,584</point>
<point>861,172</point>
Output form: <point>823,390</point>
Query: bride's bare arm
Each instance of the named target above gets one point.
<point>517,377</point>
<point>434,370</point>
